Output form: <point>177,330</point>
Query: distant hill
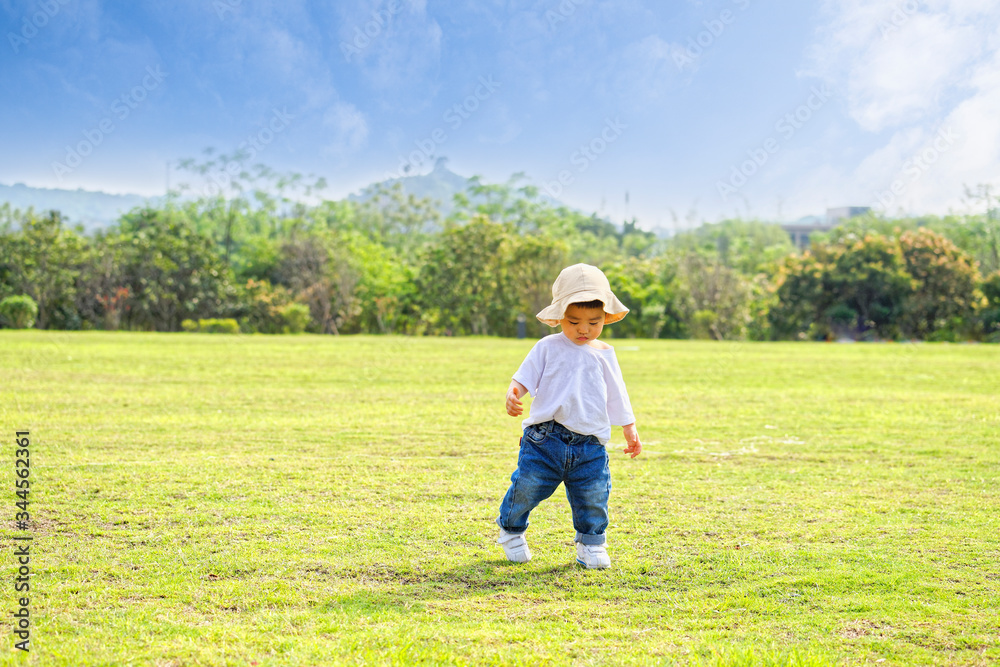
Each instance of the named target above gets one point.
<point>99,210</point>
<point>93,210</point>
<point>440,185</point>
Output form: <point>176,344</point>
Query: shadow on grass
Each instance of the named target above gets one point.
<point>386,591</point>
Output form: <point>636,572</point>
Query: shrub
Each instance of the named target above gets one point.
<point>942,306</point>
<point>18,312</point>
<point>953,331</point>
<point>224,326</point>
<point>296,316</point>
<point>265,307</point>
<point>703,323</point>
<point>990,314</point>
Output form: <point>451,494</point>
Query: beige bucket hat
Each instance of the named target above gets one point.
<point>578,284</point>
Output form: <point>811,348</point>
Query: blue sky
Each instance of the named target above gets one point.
<point>697,110</point>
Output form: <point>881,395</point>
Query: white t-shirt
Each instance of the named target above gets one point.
<point>579,386</point>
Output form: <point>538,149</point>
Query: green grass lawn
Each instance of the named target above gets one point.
<point>305,500</point>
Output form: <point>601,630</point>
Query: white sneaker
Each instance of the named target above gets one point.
<point>515,546</point>
<point>592,556</point>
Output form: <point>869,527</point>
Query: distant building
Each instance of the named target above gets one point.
<point>801,229</point>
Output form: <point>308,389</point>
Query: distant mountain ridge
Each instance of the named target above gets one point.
<point>440,186</point>
<point>98,210</point>
<point>93,210</point>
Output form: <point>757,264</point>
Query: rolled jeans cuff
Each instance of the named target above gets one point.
<point>591,540</point>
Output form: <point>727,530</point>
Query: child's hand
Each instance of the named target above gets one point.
<point>632,438</point>
<point>514,408</point>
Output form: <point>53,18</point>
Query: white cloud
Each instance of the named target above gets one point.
<point>276,47</point>
<point>500,128</point>
<point>911,70</point>
<point>396,44</point>
<point>348,127</point>
<point>645,71</point>
<point>974,156</point>
<point>883,163</point>
<point>898,62</point>
<point>905,76</point>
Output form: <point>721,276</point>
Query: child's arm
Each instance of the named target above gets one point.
<point>632,438</point>
<point>514,391</point>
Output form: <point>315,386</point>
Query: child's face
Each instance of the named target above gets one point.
<point>582,325</point>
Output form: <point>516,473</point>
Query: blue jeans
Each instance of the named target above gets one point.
<point>550,454</point>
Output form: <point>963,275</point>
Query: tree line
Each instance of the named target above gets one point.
<point>264,262</point>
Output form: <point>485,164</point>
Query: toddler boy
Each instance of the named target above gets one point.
<point>578,394</point>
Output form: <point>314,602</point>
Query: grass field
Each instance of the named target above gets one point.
<point>305,500</point>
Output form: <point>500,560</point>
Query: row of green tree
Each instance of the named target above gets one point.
<point>394,264</point>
